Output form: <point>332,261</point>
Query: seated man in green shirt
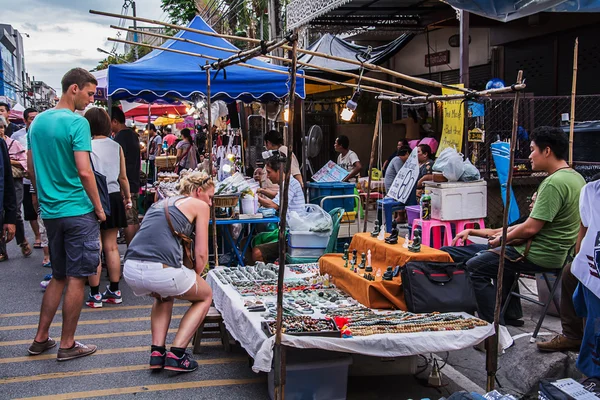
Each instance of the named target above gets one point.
<point>551,228</point>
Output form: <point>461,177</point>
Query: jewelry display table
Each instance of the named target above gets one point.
<point>377,294</point>
<point>245,327</point>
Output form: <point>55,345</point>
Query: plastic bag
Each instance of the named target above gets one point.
<point>471,172</point>
<point>313,218</point>
<point>450,164</point>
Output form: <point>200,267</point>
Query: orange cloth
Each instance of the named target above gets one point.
<point>380,294</point>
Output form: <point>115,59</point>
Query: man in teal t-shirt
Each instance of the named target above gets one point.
<point>551,228</point>
<point>59,165</point>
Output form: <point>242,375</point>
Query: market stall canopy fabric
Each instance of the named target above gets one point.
<point>164,74</point>
<point>508,10</point>
<point>139,109</point>
<point>333,45</point>
<point>101,89</point>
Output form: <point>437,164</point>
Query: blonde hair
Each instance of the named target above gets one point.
<point>194,180</point>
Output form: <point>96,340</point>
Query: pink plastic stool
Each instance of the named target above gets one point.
<point>426,227</point>
<point>462,224</point>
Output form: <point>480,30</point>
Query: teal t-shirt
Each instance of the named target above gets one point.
<point>53,138</point>
<point>557,204</point>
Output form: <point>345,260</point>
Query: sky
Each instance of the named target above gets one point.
<point>63,34</point>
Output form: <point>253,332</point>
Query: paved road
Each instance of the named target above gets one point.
<point>119,368</point>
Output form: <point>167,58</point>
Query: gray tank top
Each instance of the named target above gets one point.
<point>154,241</point>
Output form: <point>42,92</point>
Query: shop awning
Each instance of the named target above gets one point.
<point>167,75</point>
<point>508,10</point>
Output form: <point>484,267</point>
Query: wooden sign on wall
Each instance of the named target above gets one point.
<point>439,58</point>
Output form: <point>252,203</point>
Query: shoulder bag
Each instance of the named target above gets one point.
<point>17,172</point>
<point>102,189</point>
<point>436,286</point>
<point>189,260</point>
<point>185,155</point>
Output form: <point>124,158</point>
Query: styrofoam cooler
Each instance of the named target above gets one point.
<point>453,201</point>
<point>309,239</point>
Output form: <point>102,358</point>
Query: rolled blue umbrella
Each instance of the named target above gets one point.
<point>501,154</point>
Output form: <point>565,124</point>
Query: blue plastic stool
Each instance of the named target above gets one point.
<point>389,205</point>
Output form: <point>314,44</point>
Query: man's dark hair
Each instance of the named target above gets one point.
<point>167,129</point>
<point>151,127</point>
<point>274,137</point>
<point>343,141</point>
<point>99,121</point>
<point>274,163</point>
<point>552,137</point>
<point>28,111</point>
<point>117,114</point>
<point>404,150</point>
<point>5,105</point>
<point>79,77</point>
<point>425,148</point>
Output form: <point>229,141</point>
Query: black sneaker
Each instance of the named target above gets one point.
<point>183,364</point>
<point>157,359</point>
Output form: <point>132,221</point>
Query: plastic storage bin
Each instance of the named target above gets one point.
<point>308,239</point>
<point>314,377</point>
<point>313,252</point>
<point>412,213</point>
<point>453,201</point>
<point>318,190</point>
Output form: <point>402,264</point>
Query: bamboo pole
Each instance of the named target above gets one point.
<point>492,343</point>
<point>310,78</point>
<point>482,93</point>
<point>375,137</point>
<point>573,92</point>
<point>282,59</point>
<point>213,214</point>
<point>284,189</point>
<point>368,66</point>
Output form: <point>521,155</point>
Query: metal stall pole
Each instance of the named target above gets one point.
<point>279,354</point>
<point>210,165</point>
<point>492,342</point>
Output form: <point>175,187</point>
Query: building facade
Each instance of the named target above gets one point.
<point>142,38</point>
<point>44,95</point>
<point>13,76</point>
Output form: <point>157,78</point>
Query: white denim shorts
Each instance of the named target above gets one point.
<point>145,277</point>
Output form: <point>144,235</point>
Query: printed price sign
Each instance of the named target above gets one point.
<point>406,179</point>
<point>452,131</point>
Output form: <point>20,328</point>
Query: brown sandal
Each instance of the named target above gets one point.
<point>26,249</point>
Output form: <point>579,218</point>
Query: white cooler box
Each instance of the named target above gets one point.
<point>451,201</point>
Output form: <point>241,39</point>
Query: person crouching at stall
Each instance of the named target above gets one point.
<point>154,265</point>
<point>269,252</point>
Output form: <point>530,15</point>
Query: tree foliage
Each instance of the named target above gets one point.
<point>180,12</point>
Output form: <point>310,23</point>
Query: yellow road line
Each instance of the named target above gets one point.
<point>92,336</point>
<point>97,371</point>
<point>88,322</point>
<point>97,353</point>
<point>149,388</point>
<point>91,310</point>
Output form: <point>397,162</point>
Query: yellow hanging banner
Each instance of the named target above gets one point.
<point>452,132</point>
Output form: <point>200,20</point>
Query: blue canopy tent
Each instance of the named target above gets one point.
<point>164,75</point>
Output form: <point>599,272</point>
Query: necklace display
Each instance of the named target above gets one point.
<point>311,304</point>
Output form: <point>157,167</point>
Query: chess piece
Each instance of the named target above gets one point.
<point>381,235</point>
<point>363,260</point>
<point>393,238</point>
<point>369,266</point>
<point>376,229</point>
<point>406,241</point>
<point>388,275</point>
<point>415,246</point>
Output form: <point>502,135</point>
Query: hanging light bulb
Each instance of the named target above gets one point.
<point>172,116</point>
<point>286,113</point>
<point>347,114</point>
<point>200,104</point>
<point>351,105</point>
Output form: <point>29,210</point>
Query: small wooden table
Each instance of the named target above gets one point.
<point>379,294</point>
